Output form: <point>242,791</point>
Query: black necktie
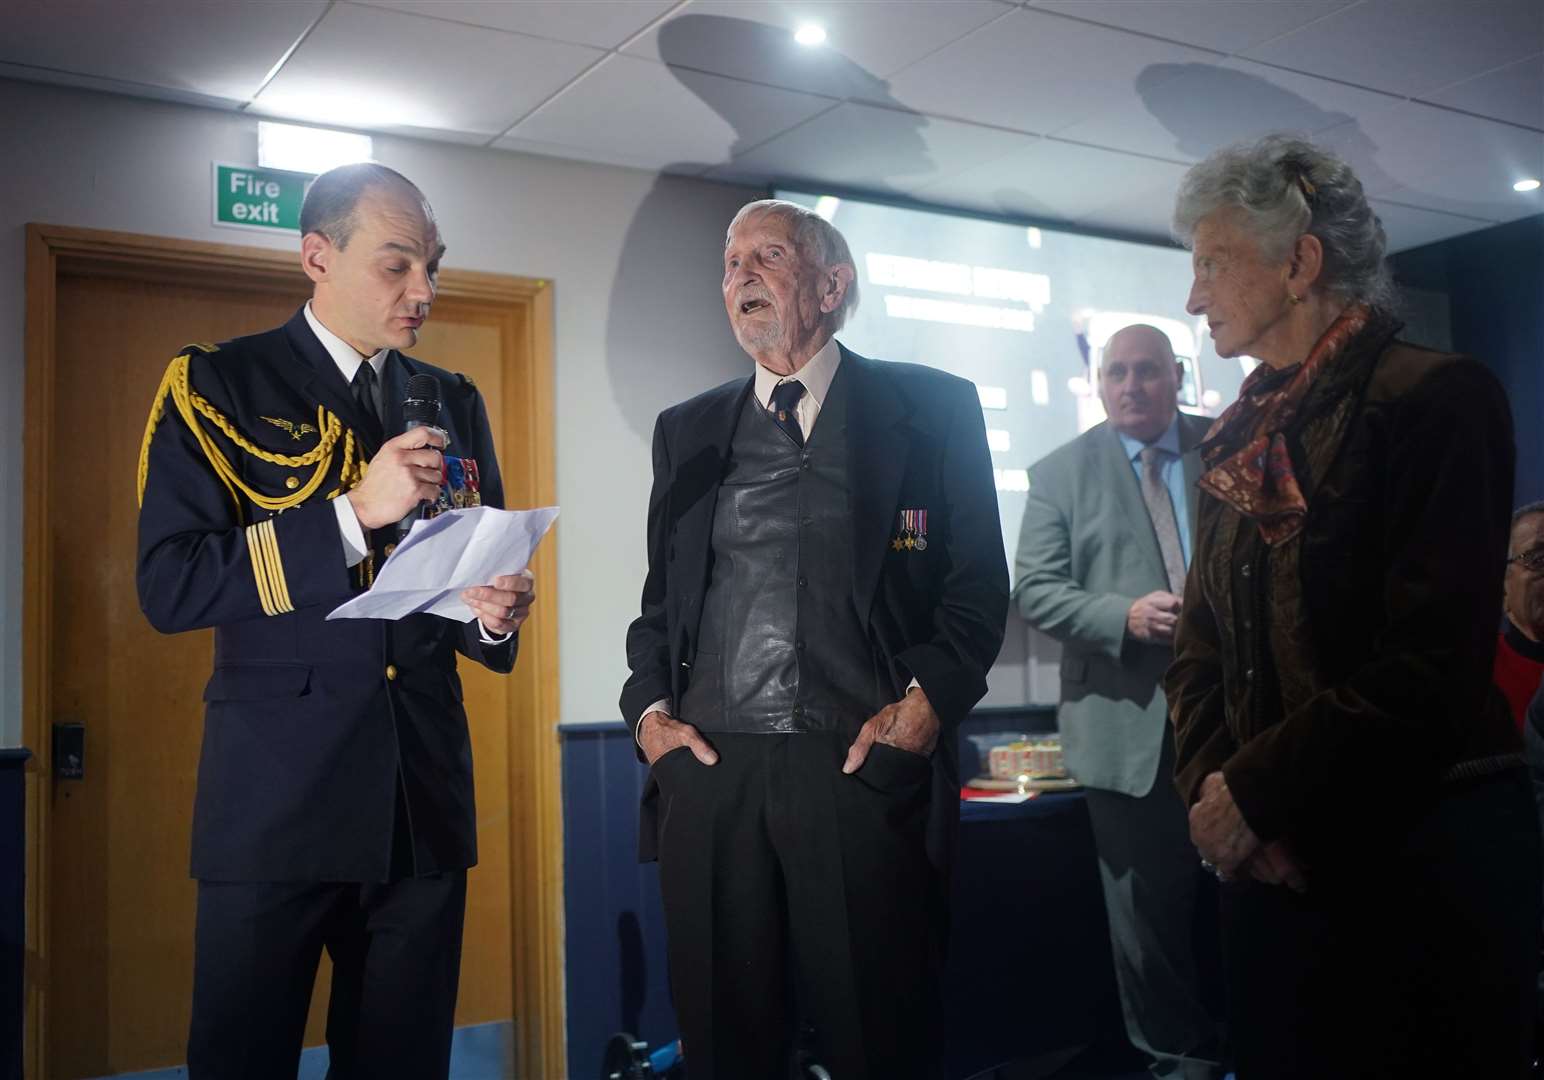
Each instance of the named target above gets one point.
<point>364,396</point>
<point>785,403</point>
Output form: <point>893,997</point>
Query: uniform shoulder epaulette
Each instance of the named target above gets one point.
<point>203,419</point>
<point>466,380</point>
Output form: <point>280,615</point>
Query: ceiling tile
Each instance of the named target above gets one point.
<point>594,155</point>
<point>1035,72</point>
<point>647,115</point>
<point>604,24</point>
<point>1225,25</point>
<point>1412,227</point>
<point>865,148</point>
<point>1185,111</point>
<point>23,73</point>
<point>1514,93</point>
<point>1145,211</point>
<point>1411,46</point>
<point>216,50</point>
<point>1052,180</point>
<point>386,71</point>
<point>866,42</point>
<point>1472,176</point>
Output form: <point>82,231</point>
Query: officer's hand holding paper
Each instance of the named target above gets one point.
<point>459,549</point>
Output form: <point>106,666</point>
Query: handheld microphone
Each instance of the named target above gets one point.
<point>420,408</point>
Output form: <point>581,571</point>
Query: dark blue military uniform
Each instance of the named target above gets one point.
<point>334,752</point>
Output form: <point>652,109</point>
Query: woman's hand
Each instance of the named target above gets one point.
<point>1218,828</point>
<point>1273,864</point>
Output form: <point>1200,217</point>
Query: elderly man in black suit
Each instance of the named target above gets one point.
<point>826,591</point>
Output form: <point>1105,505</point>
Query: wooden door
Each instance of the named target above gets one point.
<point>119,937</point>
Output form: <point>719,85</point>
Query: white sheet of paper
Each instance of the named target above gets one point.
<point>441,556</point>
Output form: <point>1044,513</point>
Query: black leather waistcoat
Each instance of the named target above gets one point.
<point>782,648</point>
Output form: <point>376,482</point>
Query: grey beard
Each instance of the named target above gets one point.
<point>759,337</point>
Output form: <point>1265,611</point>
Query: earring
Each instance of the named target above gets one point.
<point>1294,299</point>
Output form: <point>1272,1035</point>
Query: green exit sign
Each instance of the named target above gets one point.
<point>247,197</point>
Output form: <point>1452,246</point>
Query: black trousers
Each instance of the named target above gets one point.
<point>798,896</point>
<point>396,953</point>
<point>1414,962</point>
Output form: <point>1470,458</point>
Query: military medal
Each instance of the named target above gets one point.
<point>473,482</point>
<point>913,531</point>
<point>456,482</point>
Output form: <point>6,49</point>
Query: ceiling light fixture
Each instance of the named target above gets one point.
<point>1526,185</point>
<point>308,149</point>
<point>810,34</point>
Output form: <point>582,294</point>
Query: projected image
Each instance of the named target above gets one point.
<point>1025,314</point>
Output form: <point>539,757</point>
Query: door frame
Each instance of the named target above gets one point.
<point>524,310</point>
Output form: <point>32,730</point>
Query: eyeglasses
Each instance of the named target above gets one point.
<point>1532,560</point>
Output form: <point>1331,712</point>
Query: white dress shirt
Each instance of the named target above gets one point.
<point>355,546</point>
<point>816,375</point>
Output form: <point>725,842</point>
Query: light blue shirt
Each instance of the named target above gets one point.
<point>1173,474</point>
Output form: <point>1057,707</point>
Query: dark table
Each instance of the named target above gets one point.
<point>1029,968</point>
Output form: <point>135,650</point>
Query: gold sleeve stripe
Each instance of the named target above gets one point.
<point>259,570</point>
<point>276,579</point>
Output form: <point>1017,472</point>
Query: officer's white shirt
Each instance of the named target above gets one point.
<point>355,546</point>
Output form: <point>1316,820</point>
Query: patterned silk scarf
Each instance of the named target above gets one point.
<point>1247,462</point>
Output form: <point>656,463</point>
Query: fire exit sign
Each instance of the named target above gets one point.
<point>247,197</point>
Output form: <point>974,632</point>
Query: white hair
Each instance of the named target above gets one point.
<point>1286,187</point>
<point>817,240</point>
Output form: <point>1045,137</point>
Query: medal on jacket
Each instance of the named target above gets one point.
<point>913,531</point>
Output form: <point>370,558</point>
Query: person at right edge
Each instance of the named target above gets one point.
<point>1351,771</point>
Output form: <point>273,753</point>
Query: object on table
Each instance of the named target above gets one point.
<point>987,795</point>
<point>1037,757</point>
<point>1024,784</point>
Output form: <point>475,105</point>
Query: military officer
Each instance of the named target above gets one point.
<point>334,806</point>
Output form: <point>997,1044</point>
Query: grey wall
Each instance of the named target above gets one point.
<point>635,262</point>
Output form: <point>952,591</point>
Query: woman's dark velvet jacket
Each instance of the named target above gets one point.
<point>1337,678</point>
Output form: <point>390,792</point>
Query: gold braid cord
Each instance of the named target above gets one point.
<point>191,406</point>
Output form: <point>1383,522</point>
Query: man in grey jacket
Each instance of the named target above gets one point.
<point>1101,565</point>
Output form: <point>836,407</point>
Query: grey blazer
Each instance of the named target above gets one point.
<point>1087,550</point>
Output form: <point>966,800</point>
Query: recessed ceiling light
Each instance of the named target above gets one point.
<point>1526,185</point>
<point>810,34</point>
<point>308,149</point>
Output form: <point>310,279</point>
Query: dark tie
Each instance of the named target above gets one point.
<point>1160,507</point>
<point>364,385</point>
<point>785,404</point>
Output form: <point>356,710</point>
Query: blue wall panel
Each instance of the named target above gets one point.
<point>614,923</point>
<point>13,897</point>
<point>1494,281</point>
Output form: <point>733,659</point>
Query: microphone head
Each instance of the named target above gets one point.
<point>421,403</point>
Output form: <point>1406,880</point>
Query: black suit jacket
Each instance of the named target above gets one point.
<point>308,723</point>
<point>916,439</point>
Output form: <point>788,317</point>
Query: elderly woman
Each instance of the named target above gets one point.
<point>1351,771</point>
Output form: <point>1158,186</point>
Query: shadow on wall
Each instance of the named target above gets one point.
<point>647,369</point>
<point>1206,107</point>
